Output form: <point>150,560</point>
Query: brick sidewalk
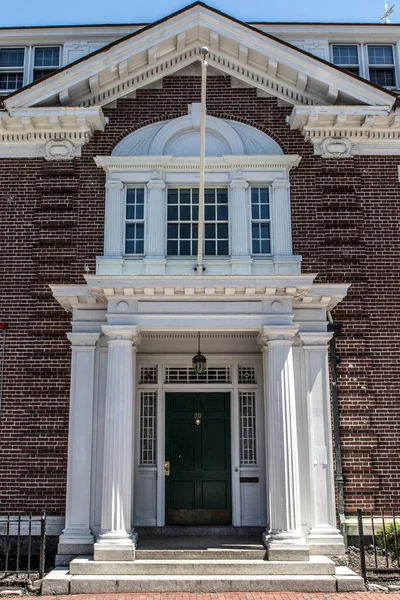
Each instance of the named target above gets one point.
<point>228,596</point>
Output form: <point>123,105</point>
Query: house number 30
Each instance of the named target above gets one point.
<point>197,418</point>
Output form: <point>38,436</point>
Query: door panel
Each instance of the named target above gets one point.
<point>198,490</point>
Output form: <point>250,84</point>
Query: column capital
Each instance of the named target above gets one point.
<point>277,333</point>
<point>122,333</point>
<point>78,338</point>
<point>315,340</point>
<point>239,184</point>
<point>156,184</point>
<point>114,184</point>
<point>281,184</point>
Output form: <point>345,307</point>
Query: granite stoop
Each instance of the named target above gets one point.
<point>181,564</point>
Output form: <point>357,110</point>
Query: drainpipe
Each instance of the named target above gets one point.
<point>3,328</point>
<point>333,362</point>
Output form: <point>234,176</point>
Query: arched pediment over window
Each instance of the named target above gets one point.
<point>181,137</point>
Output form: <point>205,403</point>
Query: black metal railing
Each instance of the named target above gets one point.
<point>380,545</point>
<point>23,544</point>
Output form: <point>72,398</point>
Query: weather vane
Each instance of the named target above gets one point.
<point>388,12</point>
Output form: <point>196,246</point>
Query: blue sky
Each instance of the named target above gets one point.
<point>53,12</point>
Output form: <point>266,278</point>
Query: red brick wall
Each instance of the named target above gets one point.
<point>345,225</point>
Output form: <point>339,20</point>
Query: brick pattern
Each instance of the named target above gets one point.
<point>345,225</point>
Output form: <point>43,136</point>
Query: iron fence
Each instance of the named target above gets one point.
<point>379,538</point>
<point>23,544</point>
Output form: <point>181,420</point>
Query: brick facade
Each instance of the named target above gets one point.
<point>345,226</point>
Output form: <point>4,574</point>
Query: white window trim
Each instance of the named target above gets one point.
<point>236,173</point>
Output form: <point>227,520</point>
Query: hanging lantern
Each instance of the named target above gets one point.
<point>199,361</point>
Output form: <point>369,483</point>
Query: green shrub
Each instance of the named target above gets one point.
<point>390,539</point>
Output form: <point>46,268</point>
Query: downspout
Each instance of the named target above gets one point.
<point>333,362</point>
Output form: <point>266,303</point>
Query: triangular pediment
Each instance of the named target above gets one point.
<point>172,44</point>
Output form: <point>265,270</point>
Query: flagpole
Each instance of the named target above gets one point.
<point>200,235</point>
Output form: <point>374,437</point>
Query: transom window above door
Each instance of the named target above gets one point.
<point>183,217</point>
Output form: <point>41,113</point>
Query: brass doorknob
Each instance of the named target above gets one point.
<point>167,468</point>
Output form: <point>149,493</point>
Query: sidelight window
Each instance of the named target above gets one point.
<point>134,227</point>
<point>260,220</point>
<point>248,454</point>
<point>148,407</point>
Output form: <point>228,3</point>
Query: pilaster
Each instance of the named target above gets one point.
<point>114,218</point>
<point>155,257</point>
<point>117,540</point>
<point>284,539</point>
<point>239,218</point>
<point>324,537</point>
<point>77,536</point>
<point>281,218</point>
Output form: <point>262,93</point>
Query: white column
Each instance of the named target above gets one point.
<point>155,224</point>
<point>281,218</point>
<point>77,536</point>
<point>117,540</point>
<point>114,218</point>
<point>285,539</point>
<point>324,537</point>
<point>239,219</point>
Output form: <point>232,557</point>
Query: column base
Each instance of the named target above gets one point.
<point>285,548</point>
<point>326,542</point>
<point>75,541</point>
<point>114,546</point>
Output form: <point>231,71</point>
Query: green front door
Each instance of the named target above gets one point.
<point>198,450</point>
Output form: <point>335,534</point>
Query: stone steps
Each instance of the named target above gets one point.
<point>60,581</point>
<point>192,554</point>
<point>319,565</point>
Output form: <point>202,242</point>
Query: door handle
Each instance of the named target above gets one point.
<point>167,468</point>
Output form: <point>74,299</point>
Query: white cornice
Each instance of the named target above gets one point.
<point>174,43</point>
<point>51,132</point>
<point>116,164</point>
<point>100,289</point>
<point>343,131</point>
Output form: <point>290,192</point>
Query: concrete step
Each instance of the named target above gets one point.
<point>195,554</point>
<point>60,582</point>
<point>318,565</point>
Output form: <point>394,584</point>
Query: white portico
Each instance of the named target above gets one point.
<point>265,340</point>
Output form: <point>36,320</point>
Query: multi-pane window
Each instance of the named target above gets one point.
<point>11,69</point>
<point>381,65</point>
<point>46,60</point>
<point>248,451</point>
<point>134,226</point>
<point>183,215</point>
<point>346,57</point>
<point>148,415</point>
<point>260,221</point>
